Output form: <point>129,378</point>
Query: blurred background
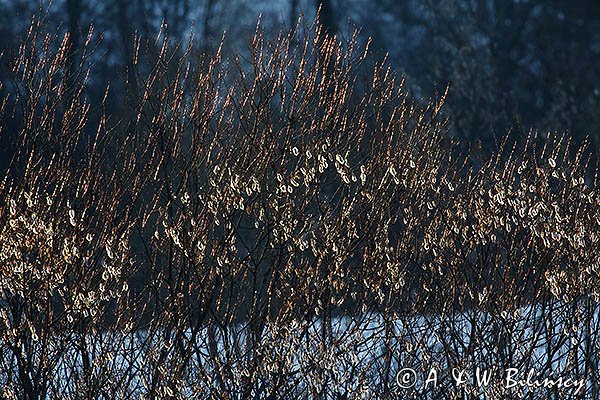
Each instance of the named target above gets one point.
<point>510,65</point>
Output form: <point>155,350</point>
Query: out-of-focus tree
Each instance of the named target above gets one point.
<point>510,65</point>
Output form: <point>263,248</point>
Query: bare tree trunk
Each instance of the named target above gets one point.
<point>206,28</point>
<point>327,16</point>
<point>293,14</point>
<point>127,41</point>
<point>74,11</point>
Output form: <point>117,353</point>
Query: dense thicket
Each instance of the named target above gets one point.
<point>298,229</point>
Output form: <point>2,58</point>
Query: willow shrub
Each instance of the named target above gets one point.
<point>285,222</point>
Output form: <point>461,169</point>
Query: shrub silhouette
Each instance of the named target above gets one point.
<point>286,224</point>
